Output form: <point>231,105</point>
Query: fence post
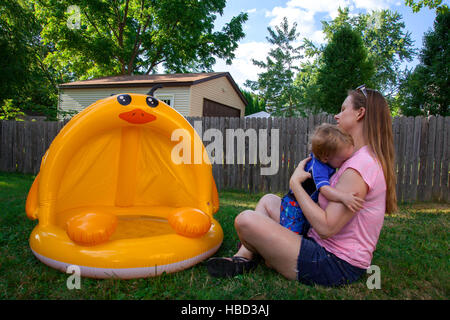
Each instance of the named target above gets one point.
<point>415,157</point>
<point>430,157</point>
<point>437,159</point>
<point>446,163</point>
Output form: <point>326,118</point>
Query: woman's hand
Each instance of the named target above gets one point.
<point>300,175</point>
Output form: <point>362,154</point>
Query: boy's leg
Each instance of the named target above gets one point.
<point>301,224</point>
<point>292,217</point>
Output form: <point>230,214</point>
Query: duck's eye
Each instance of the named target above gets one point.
<point>152,102</point>
<point>124,99</point>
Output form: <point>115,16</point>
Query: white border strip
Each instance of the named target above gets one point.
<point>128,273</point>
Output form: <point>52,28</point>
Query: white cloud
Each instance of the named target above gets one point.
<point>370,5</point>
<point>304,19</point>
<point>331,6</point>
<point>303,12</point>
<point>242,68</point>
<point>313,7</point>
<point>317,37</point>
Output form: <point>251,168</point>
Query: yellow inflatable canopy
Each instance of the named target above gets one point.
<point>110,200</point>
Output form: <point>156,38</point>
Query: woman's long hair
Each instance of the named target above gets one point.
<point>378,134</point>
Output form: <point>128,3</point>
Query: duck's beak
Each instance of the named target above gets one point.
<point>137,116</point>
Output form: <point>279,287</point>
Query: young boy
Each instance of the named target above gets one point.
<point>330,148</point>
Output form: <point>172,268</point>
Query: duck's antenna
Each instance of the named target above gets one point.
<point>153,89</point>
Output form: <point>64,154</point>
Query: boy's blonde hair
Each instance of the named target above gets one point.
<point>327,139</point>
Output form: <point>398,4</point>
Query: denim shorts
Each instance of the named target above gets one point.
<point>316,265</point>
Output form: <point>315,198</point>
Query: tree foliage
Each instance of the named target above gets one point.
<point>26,82</point>
<point>275,83</point>
<point>345,65</point>
<point>387,43</point>
<point>426,90</point>
<point>255,103</point>
<point>136,36</point>
<point>306,81</point>
<point>8,111</point>
<point>432,4</point>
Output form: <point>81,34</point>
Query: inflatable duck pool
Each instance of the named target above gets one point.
<point>110,200</point>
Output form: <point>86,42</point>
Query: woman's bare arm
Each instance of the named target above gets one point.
<point>330,221</point>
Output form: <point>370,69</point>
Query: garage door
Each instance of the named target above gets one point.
<point>215,109</point>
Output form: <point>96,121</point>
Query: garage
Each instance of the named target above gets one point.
<point>216,109</point>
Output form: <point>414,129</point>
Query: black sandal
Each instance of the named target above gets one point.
<point>225,267</point>
<point>256,256</point>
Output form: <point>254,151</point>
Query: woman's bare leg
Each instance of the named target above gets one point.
<point>279,246</point>
<point>269,206</point>
<point>260,232</point>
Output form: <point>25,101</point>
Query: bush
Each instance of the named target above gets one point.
<point>9,111</point>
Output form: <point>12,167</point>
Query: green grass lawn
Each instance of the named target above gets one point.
<point>412,253</point>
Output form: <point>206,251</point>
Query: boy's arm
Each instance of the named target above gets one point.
<point>331,193</point>
<point>352,202</point>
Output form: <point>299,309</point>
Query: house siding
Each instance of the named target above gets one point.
<point>79,99</point>
<point>218,90</point>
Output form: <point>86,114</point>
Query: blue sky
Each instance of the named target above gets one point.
<point>308,15</point>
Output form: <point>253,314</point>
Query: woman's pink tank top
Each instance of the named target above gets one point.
<point>356,241</point>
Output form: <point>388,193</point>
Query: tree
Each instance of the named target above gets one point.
<point>345,66</point>
<point>255,103</point>
<point>306,83</point>
<point>135,36</point>
<point>432,4</point>
<point>426,90</point>
<point>26,83</point>
<point>275,84</point>
<point>14,52</point>
<point>387,43</point>
<point>8,111</point>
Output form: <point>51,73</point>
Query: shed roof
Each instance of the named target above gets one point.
<point>261,114</point>
<point>167,80</point>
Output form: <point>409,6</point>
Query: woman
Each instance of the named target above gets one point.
<point>338,247</point>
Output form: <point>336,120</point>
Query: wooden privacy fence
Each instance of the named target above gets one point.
<point>421,144</point>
